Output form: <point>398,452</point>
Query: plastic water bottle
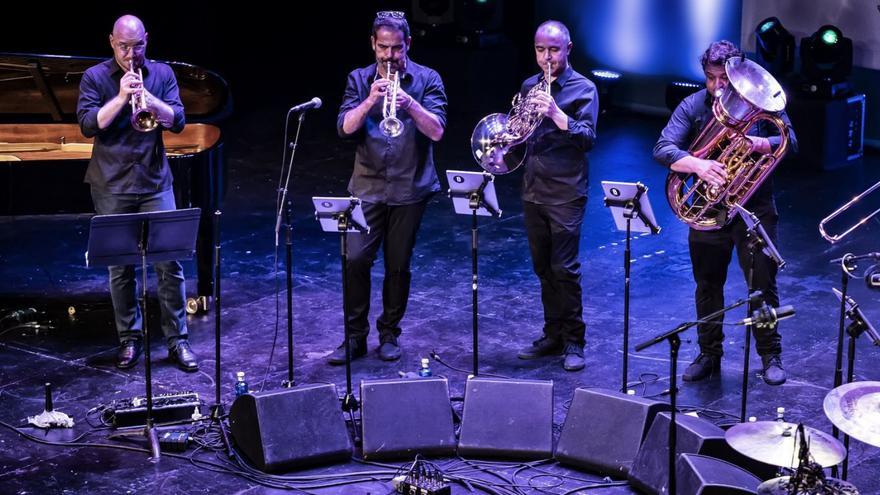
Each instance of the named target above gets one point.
<point>780,414</point>
<point>425,369</point>
<point>241,386</point>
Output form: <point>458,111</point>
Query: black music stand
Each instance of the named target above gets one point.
<point>628,201</point>
<point>674,345</point>
<point>859,325</point>
<point>473,193</point>
<point>131,238</point>
<point>343,215</point>
<point>758,240</point>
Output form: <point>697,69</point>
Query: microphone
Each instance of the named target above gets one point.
<point>872,277</point>
<point>850,258</point>
<point>309,105</point>
<point>767,316</point>
<point>854,312</point>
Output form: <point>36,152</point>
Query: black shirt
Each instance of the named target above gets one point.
<point>125,160</point>
<point>686,123</point>
<point>393,170</point>
<point>556,165</point>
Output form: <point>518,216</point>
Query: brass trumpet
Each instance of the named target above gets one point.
<point>833,238</point>
<point>391,126</point>
<point>142,118</point>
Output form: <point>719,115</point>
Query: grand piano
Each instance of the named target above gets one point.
<point>43,154</point>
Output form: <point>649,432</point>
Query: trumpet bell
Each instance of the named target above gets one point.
<point>491,143</point>
<point>144,121</point>
<point>391,127</point>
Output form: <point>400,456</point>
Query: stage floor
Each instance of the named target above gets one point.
<point>41,266</point>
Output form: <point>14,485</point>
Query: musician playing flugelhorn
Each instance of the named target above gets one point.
<point>711,250</point>
<point>395,109</point>
<point>129,173</point>
<point>554,191</point>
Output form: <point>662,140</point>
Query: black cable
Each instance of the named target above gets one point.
<point>436,357</point>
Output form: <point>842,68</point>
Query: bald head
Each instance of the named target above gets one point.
<point>554,29</point>
<point>128,25</point>
<point>129,41</point>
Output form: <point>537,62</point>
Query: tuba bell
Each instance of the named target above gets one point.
<point>142,118</point>
<point>496,134</point>
<point>752,95</point>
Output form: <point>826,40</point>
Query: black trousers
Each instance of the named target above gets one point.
<point>394,228</point>
<point>554,233</point>
<point>711,252</point>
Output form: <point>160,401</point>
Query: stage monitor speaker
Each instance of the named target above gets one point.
<point>650,471</point>
<point>291,427</point>
<point>507,418</point>
<point>405,417</point>
<point>703,475</point>
<point>604,430</point>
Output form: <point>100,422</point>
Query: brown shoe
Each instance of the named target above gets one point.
<point>128,355</point>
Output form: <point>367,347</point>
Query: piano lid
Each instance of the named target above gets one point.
<point>44,88</point>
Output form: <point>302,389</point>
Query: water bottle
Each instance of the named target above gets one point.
<point>241,386</point>
<point>780,414</point>
<point>425,369</point>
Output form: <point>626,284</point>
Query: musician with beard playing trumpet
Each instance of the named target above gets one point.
<point>394,109</point>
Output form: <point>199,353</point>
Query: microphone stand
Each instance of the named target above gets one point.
<point>284,208</point>
<point>674,345</point>
<point>847,266</point>
<point>758,240</point>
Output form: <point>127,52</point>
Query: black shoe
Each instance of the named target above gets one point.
<point>574,357</point>
<point>389,350</point>
<point>358,349</point>
<point>128,355</point>
<point>184,356</point>
<point>774,373</point>
<point>545,346</point>
<point>703,367</point>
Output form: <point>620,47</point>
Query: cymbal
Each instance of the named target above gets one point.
<point>855,409</point>
<point>830,486</point>
<point>775,443</point>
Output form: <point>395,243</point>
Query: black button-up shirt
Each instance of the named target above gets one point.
<point>686,123</point>
<point>126,161</point>
<point>393,170</point>
<point>556,166</point>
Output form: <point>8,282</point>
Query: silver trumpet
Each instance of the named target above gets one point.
<point>142,118</point>
<point>391,126</point>
<point>833,238</point>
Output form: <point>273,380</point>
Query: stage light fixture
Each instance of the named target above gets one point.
<point>774,47</point>
<point>605,81</point>
<point>826,56</point>
<point>679,90</point>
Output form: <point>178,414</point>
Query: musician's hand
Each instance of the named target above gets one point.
<point>377,91</point>
<point>545,105</point>
<point>760,145</point>
<point>710,171</point>
<point>129,84</point>
<point>404,101</point>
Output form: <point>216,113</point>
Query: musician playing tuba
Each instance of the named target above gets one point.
<point>712,238</point>
<point>554,190</point>
<point>394,109</point>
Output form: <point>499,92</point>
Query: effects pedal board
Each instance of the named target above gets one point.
<point>167,408</point>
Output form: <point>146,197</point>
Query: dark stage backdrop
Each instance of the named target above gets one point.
<point>275,59</point>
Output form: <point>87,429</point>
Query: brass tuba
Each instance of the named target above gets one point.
<point>752,95</point>
<point>142,118</point>
<point>497,133</point>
